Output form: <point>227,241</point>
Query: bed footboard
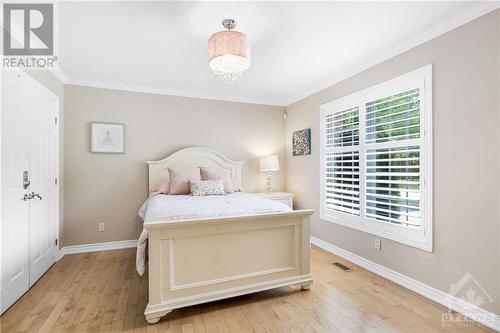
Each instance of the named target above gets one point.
<point>198,261</point>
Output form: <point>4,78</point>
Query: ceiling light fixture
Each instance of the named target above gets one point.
<point>228,52</point>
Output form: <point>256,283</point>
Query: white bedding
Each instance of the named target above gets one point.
<point>182,207</point>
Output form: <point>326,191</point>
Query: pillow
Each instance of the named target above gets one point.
<point>180,178</point>
<point>207,187</point>
<point>163,188</point>
<point>219,173</point>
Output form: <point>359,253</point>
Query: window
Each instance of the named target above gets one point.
<point>376,159</point>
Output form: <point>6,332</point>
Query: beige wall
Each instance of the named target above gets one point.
<point>466,160</point>
<point>52,83</point>
<point>111,188</point>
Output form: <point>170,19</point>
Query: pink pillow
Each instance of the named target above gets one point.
<point>163,188</point>
<point>180,178</point>
<point>219,173</point>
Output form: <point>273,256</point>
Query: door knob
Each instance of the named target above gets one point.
<point>32,195</point>
<point>35,195</point>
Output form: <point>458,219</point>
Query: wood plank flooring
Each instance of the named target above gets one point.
<point>101,292</point>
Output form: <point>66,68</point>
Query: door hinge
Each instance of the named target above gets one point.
<point>55,181</point>
<point>56,241</point>
<point>55,120</point>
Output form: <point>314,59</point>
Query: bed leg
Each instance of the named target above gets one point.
<point>154,318</point>
<point>306,285</point>
<point>152,321</point>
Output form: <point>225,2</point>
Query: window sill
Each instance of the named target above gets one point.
<point>418,239</point>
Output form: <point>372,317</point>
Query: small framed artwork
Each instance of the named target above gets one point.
<point>106,138</point>
<point>301,142</point>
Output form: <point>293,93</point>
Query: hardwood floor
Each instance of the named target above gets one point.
<point>101,292</point>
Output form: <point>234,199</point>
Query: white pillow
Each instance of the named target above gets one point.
<point>207,187</point>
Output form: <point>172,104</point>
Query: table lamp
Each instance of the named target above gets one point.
<point>268,164</point>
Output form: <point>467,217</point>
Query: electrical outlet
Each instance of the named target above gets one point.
<point>101,227</point>
<point>378,244</point>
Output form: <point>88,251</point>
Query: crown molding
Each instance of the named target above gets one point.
<point>60,75</point>
<point>170,92</point>
<point>454,22</point>
<point>66,79</point>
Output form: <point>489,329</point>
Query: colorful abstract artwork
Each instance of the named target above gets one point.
<point>302,142</point>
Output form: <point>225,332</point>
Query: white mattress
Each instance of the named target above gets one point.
<point>180,207</point>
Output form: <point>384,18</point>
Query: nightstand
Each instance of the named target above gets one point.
<point>283,197</point>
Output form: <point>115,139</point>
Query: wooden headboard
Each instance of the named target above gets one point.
<point>191,158</point>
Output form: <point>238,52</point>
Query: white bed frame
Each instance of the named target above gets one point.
<point>203,260</point>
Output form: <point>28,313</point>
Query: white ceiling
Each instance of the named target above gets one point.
<point>297,47</point>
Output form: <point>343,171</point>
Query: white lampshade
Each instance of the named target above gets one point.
<point>269,163</point>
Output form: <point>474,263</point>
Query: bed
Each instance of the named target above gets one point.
<point>242,247</point>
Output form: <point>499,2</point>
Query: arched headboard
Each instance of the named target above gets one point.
<point>191,158</point>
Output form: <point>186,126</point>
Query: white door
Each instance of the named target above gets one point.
<point>43,152</point>
<point>29,154</point>
<point>15,211</point>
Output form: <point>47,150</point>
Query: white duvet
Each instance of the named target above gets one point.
<point>182,207</point>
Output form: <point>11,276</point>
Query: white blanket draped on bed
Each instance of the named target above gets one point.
<point>182,207</point>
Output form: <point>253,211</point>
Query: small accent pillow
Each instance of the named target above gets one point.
<point>180,178</point>
<point>218,173</point>
<point>207,187</point>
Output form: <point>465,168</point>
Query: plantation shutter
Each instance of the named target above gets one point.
<point>342,161</point>
<point>393,159</point>
<point>376,159</point>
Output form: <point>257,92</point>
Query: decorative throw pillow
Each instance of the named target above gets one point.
<point>218,173</point>
<point>207,187</point>
<point>180,178</point>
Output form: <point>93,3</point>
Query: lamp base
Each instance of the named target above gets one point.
<point>269,188</point>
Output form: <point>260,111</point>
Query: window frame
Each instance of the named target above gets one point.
<point>423,237</point>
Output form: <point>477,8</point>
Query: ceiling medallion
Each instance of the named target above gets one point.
<point>228,53</point>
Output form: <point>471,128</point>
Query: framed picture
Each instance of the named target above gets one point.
<point>106,138</point>
<point>301,142</point>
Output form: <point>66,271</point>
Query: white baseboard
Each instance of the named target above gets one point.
<point>95,247</point>
<point>456,304</point>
